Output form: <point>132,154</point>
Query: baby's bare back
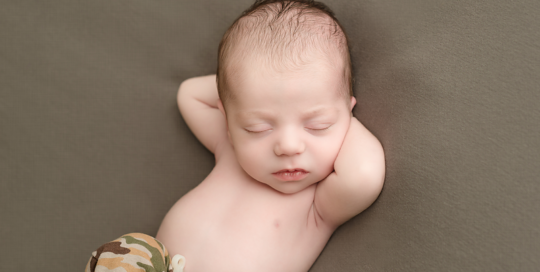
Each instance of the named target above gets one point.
<point>231,222</point>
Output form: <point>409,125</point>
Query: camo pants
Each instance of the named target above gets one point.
<point>134,252</point>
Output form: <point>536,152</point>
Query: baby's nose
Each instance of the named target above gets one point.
<point>289,144</point>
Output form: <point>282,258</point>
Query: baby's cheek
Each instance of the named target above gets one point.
<point>328,152</point>
<point>328,144</point>
<point>250,159</point>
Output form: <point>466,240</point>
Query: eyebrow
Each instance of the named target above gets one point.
<point>306,114</point>
<point>319,111</point>
<point>256,113</point>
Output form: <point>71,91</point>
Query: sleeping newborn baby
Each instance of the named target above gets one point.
<point>292,163</point>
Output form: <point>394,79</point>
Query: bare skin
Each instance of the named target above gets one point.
<point>247,215</point>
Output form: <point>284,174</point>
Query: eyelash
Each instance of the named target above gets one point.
<point>319,129</point>
<point>312,129</point>
<point>250,131</point>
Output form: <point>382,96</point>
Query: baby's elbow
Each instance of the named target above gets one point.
<point>369,179</point>
<point>375,180</point>
<point>183,93</point>
<point>368,186</point>
<point>374,172</point>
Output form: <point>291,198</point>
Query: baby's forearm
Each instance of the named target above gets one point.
<point>198,102</point>
<point>204,90</point>
<point>357,178</point>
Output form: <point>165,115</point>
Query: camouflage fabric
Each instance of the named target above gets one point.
<point>131,252</point>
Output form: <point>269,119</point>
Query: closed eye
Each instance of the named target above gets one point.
<point>321,128</point>
<point>255,131</point>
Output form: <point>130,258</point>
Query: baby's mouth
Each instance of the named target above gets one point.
<point>291,174</point>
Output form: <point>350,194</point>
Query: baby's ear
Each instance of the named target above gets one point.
<point>221,109</point>
<point>353,102</point>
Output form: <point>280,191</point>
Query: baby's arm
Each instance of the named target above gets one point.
<point>198,99</point>
<point>357,179</point>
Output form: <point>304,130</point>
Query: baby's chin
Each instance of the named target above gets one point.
<point>290,187</point>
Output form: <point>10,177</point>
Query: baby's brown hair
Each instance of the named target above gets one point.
<point>285,33</point>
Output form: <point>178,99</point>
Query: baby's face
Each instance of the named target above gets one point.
<point>287,129</point>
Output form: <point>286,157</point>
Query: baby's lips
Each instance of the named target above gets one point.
<point>291,171</point>
<point>290,174</point>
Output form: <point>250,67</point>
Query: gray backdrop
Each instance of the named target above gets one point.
<point>92,145</point>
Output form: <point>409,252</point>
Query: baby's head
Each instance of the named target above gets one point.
<point>285,85</point>
<point>283,36</point>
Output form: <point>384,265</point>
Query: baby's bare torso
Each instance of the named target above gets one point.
<point>231,222</point>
